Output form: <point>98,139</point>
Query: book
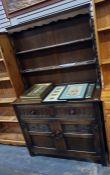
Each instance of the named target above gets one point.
<point>90,90</point>
<point>74,91</point>
<point>54,94</point>
<point>37,91</point>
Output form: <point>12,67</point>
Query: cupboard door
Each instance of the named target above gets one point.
<point>58,135</point>
<point>64,136</point>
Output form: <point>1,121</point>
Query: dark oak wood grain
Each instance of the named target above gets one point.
<point>70,129</point>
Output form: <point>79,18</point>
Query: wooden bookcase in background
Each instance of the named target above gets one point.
<point>10,88</point>
<point>102,25</point>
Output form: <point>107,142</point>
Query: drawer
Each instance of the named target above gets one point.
<point>35,111</point>
<point>78,110</point>
<point>66,111</point>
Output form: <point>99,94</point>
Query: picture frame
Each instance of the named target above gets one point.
<point>37,91</point>
<point>74,91</point>
<point>14,7</point>
<point>53,96</point>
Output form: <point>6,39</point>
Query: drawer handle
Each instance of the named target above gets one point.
<point>59,135</point>
<point>72,112</point>
<point>33,112</point>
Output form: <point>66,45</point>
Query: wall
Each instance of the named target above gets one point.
<point>4,22</point>
<point>36,14</point>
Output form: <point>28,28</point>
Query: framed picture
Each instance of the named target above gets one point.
<point>17,7</point>
<point>74,91</point>
<point>54,94</point>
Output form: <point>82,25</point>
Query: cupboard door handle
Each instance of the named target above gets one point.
<point>53,134</point>
<point>59,135</point>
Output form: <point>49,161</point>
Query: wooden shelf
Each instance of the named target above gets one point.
<point>62,66</point>
<point>98,1</point>
<point>56,45</point>
<point>10,133</point>
<point>3,74</point>
<point>1,59</point>
<point>7,100</point>
<point>105,95</point>
<point>4,78</point>
<point>11,138</point>
<point>104,29</point>
<point>106,88</point>
<point>105,61</point>
<point>8,119</point>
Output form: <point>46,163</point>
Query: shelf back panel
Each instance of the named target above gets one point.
<point>79,74</point>
<point>57,56</point>
<point>53,33</point>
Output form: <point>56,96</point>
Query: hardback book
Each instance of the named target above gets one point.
<point>37,91</point>
<point>74,91</point>
<point>54,94</point>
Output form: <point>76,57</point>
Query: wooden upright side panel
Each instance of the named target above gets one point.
<point>11,63</point>
<point>11,87</point>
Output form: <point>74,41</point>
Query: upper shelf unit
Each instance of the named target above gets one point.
<point>51,49</point>
<point>51,36</point>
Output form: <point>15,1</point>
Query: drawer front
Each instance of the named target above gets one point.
<point>75,111</point>
<point>68,111</point>
<point>35,111</point>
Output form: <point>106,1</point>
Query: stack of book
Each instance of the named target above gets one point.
<point>37,92</point>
